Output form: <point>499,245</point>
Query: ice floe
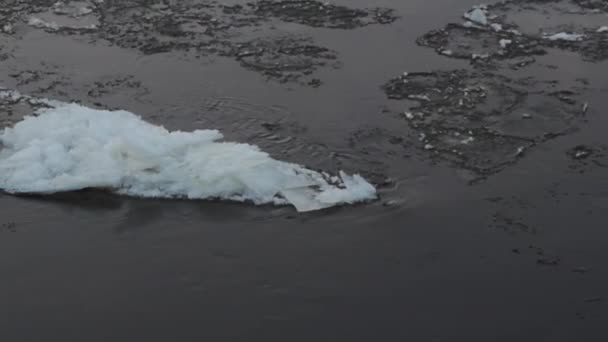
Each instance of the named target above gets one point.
<point>67,147</point>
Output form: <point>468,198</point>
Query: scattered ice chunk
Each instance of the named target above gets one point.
<point>11,95</point>
<point>573,37</point>
<point>602,29</point>
<point>467,140</point>
<point>477,15</point>
<point>526,116</point>
<point>70,147</point>
<point>419,97</point>
<point>515,32</point>
<point>504,43</point>
<point>7,28</point>
<point>476,56</point>
<point>496,27</point>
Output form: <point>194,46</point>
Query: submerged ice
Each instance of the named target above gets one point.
<point>70,147</point>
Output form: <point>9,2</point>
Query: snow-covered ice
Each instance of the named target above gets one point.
<point>70,147</point>
<point>602,29</point>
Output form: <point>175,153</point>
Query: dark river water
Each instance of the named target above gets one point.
<point>495,246</point>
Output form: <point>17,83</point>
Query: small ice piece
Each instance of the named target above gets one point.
<point>496,27</point>
<point>602,29</point>
<point>8,28</point>
<point>71,147</point>
<point>11,95</point>
<point>467,140</point>
<point>85,10</point>
<point>419,97</point>
<point>477,15</point>
<point>429,147</point>
<point>446,52</point>
<point>585,107</point>
<point>409,115</point>
<point>515,32</point>
<point>571,37</point>
<point>526,116</point>
<point>477,56</point>
<point>504,43</point>
<point>520,151</point>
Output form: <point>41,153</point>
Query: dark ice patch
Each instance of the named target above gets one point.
<point>202,27</point>
<point>322,14</point>
<point>472,42</point>
<point>540,19</point>
<point>596,5</point>
<point>482,121</point>
<point>525,28</point>
<point>283,58</point>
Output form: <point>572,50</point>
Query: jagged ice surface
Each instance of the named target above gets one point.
<point>70,147</point>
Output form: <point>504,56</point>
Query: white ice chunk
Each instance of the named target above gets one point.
<point>504,43</point>
<point>71,147</point>
<point>477,15</point>
<point>496,27</point>
<point>573,37</point>
<point>602,29</point>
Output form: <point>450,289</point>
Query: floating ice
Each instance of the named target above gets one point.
<point>572,37</point>
<point>496,27</point>
<point>70,147</point>
<point>602,29</point>
<point>477,15</point>
<point>504,43</point>
<point>7,28</point>
<point>74,15</point>
<point>39,23</point>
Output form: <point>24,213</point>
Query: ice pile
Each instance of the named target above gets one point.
<point>69,147</point>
